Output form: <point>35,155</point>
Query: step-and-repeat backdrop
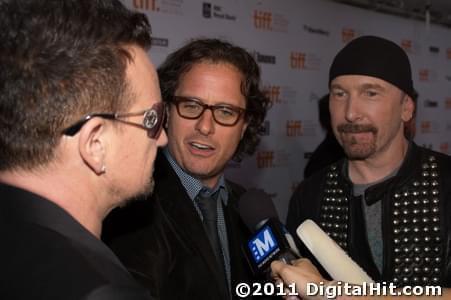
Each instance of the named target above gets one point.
<point>294,42</point>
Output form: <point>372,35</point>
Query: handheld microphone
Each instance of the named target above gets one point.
<point>333,259</point>
<point>271,240</point>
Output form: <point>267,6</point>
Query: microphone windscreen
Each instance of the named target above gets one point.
<point>256,206</point>
<point>333,258</point>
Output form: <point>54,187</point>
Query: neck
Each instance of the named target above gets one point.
<point>375,168</point>
<point>67,192</point>
<point>211,182</point>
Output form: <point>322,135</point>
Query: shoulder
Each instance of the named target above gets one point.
<point>235,188</point>
<point>33,254</point>
<point>115,292</point>
<point>435,159</point>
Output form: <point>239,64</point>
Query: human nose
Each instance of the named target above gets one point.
<point>352,109</point>
<point>205,123</point>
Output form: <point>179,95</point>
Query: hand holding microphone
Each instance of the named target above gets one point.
<point>271,240</point>
<point>333,259</point>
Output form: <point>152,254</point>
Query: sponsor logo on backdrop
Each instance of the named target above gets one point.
<point>313,97</point>
<point>304,61</point>
<point>430,103</point>
<point>448,126</point>
<point>448,53</point>
<point>427,75</point>
<point>266,128</point>
<point>150,5</point>
<point>294,128</point>
<point>314,30</point>
<point>262,20</point>
<point>279,94</point>
<point>273,93</point>
<point>308,154</point>
<point>410,46</point>
<point>163,6</point>
<point>310,128</point>
<point>448,103</point>
<point>348,34</point>
<point>216,11</point>
<point>269,21</point>
<point>428,146</point>
<point>444,147</point>
<point>273,159</point>
<point>264,58</point>
<point>427,127</point>
<point>434,49</point>
<point>265,159</point>
<point>282,158</point>
<point>206,10</point>
<point>160,42</point>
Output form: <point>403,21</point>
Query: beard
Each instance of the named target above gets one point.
<point>144,193</point>
<point>354,147</point>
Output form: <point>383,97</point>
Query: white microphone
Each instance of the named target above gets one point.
<point>331,256</point>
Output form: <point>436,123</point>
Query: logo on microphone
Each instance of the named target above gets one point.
<point>263,244</point>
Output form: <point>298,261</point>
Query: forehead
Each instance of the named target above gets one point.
<point>142,78</point>
<point>213,83</point>
<point>360,81</point>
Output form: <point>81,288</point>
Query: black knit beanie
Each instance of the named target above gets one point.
<point>376,57</point>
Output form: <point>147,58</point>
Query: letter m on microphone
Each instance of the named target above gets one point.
<point>263,244</point>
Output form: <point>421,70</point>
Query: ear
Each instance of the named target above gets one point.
<point>92,142</point>
<point>168,115</point>
<point>408,108</point>
<point>243,130</point>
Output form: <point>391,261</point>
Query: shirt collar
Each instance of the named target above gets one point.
<point>193,185</point>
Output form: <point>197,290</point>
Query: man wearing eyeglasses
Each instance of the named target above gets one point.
<point>185,243</point>
<point>80,122</point>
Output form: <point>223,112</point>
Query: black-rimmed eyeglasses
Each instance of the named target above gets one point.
<point>223,114</point>
<point>152,122</point>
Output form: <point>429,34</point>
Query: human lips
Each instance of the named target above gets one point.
<point>356,128</point>
<point>201,148</point>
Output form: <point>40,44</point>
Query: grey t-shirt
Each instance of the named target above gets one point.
<point>373,219</point>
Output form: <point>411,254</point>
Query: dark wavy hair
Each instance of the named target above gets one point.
<point>60,59</point>
<point>218,51</point>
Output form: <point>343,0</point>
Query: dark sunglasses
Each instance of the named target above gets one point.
<point>152,122</point>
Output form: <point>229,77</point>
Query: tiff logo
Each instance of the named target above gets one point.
<point>294,128</point>
<point>424,75</point>
<point>273,93</point>
<point>426,126</point>
<point>406,45</point>
<point>265,159</point>
<point>347,34</point>
<point>297,60</point>
<point>262,20</point>
<point>145,4</point>
<point>448,103</point>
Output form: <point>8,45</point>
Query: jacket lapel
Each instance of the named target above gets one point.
<point>184,218</point>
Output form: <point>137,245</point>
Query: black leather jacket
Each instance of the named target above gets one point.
<point>416,217</point>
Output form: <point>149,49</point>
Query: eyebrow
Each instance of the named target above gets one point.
<point>361,86</point>
<point>204,102</point>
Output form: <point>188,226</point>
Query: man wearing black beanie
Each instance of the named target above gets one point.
<point>387,204</point>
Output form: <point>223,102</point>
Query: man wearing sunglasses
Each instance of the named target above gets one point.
<point>80,122</point>
<point>185,243</point>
